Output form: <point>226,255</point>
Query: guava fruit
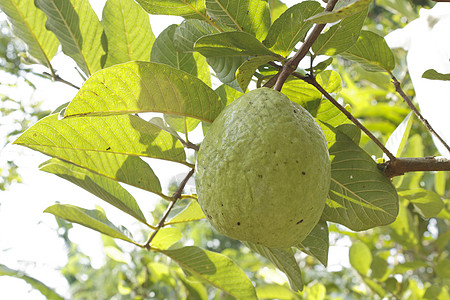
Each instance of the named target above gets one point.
<point>263,170</point>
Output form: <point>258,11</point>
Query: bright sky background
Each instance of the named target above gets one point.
<point>28,237</point>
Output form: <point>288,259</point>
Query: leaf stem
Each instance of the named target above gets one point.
<point>292,63</point>
<point>399,90</point>
<point>177,195</point>
<point>58,78</point>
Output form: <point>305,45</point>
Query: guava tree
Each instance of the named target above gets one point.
<point>98,139</point>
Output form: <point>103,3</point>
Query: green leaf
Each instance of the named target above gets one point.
<point>343,9</point>
<point>435,75</point>
<point>374,286</point>
<point>188,32</point>
<point>316,243</point>
<point>227,94</point>
<point>107,146</point>
<point>164,52</point>
<point>379,267</point>
<point>341,36</point>
<point>166,237</point>
<point>247,69</point>
<point>192,212</point>
<point>215,269</point>
<point>291,27</point>
<point>428,203</point>
<point>397,141</point>
<point>195,290</point>
<point>360,196</point>
<point>184,8</point>
<point>128,32</point>
<point>226,67</point>
<point>252,16</point>
<point>137,87</point>
<point>410,265</point>
<point>160,123</point>
<point>360,257</point>
<point>94,219</point>
<point>28,23</point>
<point>232,44</point>
<point>78,29</point>
<point>276,9</point>
<point>181,124</point>
<point>49,293</point>
<point>403,229</point>
<point>274,291</point>
<point>437,292</point>
<point>372,52</point>
<point>102,187</point>
<point>307,95</point>
<point>284,260</point>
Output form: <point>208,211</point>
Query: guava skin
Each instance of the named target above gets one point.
<point>263,170</point>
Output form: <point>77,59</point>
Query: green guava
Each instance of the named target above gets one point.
<point>263,170</point>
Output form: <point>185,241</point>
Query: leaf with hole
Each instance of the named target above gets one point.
<point>104,188</point>
<point>28,23</point>
<point>215,269</point>
<point>360,196</point>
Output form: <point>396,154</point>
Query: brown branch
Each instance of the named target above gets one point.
<point>311,80</point>
<point>402,165</point>
<point>399,90</point>
<point>175,197</point>
<point>57,78</point>
<point>292,63</point>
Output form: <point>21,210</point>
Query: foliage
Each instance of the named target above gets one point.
<point>98,139</point>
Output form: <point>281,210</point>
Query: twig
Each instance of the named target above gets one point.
<point>402,165</point>
<point>292,63</point>
<point>399,90</point>
<point>311,80</point>
<point>175,197</point>
<point>58,78</point>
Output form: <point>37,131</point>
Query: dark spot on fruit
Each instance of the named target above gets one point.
<point>221,204</point>
<point>301,221</point>
<point>296,161</point>
<point>250,102</point>
<point>260,176</point>
<point>295,111</point>
<point>109,148</point>
<point>364,186</point>
<point>304,173</point>
<point>239,223</point>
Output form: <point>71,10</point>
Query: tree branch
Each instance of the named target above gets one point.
<point>402,165</point>
<point>399,90</point>
<point>175,197</point>
<point>292,63</point>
